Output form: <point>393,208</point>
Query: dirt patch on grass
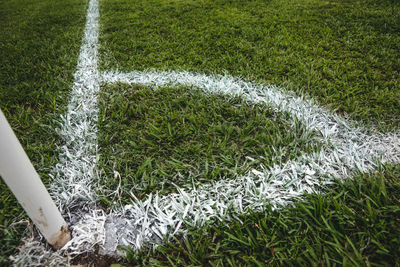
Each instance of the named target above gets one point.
<point>96,259</point>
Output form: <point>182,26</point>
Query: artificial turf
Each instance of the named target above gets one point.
<point>343,53</point>
<point>39,47</point>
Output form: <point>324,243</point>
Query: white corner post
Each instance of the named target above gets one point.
<point>21,177</point>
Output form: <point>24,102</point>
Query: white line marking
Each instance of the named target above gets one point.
<point>78,157</point>
<point>150,219</point>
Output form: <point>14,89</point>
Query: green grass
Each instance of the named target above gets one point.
<point>345,53</point>
<point>355,223</point>
<point>157,139</point>
<point>39,45</point>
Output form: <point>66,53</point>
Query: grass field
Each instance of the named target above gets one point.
<point>345,54</point>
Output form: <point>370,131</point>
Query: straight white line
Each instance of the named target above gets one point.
<point>74,173</point>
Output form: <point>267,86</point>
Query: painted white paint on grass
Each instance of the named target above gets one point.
<point>350,148</point>
<point>73,175</point>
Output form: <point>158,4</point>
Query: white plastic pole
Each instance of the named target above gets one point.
<point>21,177</point>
